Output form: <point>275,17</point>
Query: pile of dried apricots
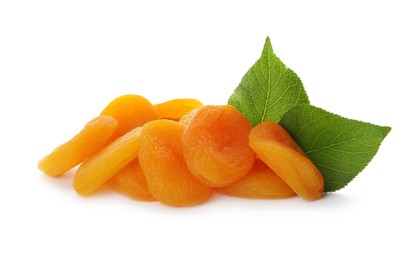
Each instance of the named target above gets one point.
<point>179,151</point>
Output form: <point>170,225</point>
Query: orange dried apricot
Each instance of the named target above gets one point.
<point>178,151</point>
<point>88,141</point>
<point>102,166</point>
<point>161,159</point>
<point>130,111</point>
<point>274,145</point>
<point>176,108</point>
<point>216,146</point>
<point>261,182</point>
<point>131,182</point>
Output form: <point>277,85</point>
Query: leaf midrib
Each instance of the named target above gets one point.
<point>269,87</point>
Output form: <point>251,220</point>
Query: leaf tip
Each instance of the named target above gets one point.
<point>267,46</point>
<point>387,129</point>
<point>384,131</point>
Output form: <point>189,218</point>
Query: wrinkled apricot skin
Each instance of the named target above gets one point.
<point>102,166</point>
<point>131,182</point>
<point>88,141</point>
<point>185,119</point>
<point>176,108</point>
<point>216,146</point>
<point>130,111</point>
<point>161,159</point>
<point>261,183</point>
<point>274,145</point>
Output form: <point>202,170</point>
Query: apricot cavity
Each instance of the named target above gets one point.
<point>130,111</point>
<point>261,182</point>
<point>131,182</point>
<point>88,141</point>
<point>102,166</point>
<point>274,145</point>
<point>161,159</point>
<point>215,145</point>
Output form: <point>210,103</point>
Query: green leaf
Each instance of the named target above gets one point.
<point>339,147</point>
<point>268,90</point>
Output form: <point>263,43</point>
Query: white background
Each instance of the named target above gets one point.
<point>61,62</point>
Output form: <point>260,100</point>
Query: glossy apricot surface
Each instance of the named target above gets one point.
<point>216,146</point>
<point>130,111</point>
<point>161,159</point>
<point>102,166</point>
<point>260,182</point>
<point>274,145</point>
<point>176,108</point>
<point>131,182</point>
<point>88,141</point>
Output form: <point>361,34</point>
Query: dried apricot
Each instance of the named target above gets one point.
<point>176,108</point>
<point>130,111</point>
<point>261,182</point>
<point>130,181</point>
<point>274,145</point>
<point>88,141</point>
<point>216,146</point>
<point>102,166</point>
<point>161,159</point>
